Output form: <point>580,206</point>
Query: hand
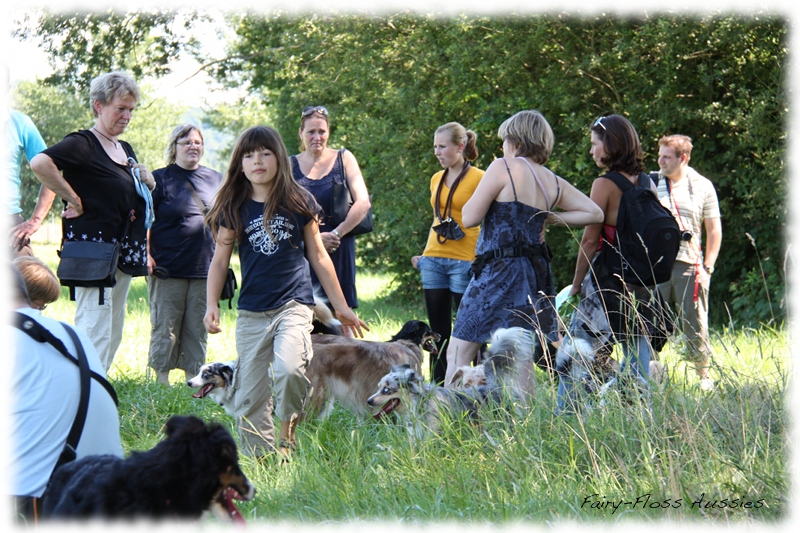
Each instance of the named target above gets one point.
<point>73,210</point>
<point>211,320</point>
<point>703,277</point>
<point>576,289</point>
<point>415,261</point>
<point>20,234</point>
<point>151,264</point>
<point>145,176</point>
<point>351,323</point>
<point>330,241</point>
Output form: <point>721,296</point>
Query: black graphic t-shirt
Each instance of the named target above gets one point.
<point>274,269</point>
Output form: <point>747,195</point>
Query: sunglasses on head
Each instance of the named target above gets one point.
<point>315,109</point>
<point>599,122</point>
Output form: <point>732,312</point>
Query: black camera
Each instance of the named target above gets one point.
<point>686,236</point>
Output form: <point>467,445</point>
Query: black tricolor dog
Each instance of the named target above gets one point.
<point>193,470</point>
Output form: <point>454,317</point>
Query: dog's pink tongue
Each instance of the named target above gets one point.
<point>203,391</point>
<point>233,511</point>
<point>387,408</point>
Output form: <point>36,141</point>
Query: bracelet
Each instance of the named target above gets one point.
<point>709,269</point>
<point>336,232</point>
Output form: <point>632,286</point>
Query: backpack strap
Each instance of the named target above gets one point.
<point>621,181</point>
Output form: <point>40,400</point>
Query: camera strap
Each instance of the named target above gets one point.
<point>448,206</point>
<point>697,265</point>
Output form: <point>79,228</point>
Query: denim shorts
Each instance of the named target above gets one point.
<point>443,273</point>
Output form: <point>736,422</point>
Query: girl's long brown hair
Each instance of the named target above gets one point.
<point>236,189</point>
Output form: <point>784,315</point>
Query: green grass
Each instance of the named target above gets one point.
<point>731,444</point>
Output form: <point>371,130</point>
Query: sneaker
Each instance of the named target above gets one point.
<point>706,384</point>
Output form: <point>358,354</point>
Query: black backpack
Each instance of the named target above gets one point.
<point>648,236</point>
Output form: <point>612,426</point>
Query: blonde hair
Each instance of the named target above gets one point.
<point>680,143</point>
<point>40,282</point>
<point>180,131</point>
<point>530,132</point>
<point>458,134</point>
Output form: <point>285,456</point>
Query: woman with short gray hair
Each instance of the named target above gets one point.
<point>93,172</point>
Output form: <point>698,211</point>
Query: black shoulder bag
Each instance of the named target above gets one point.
<point>90,263</point>
<point>342,201</point>
<point>230,286</point>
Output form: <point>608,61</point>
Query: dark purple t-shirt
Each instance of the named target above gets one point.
<point>178,240</point>
<point>274,272</point>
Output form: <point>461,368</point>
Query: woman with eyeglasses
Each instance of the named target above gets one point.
<point>444,264</point>
<point>608,308</point>
<point>315,168</point>
<point>180,249</point>
<point>513,282</point>
<point>93,172</point>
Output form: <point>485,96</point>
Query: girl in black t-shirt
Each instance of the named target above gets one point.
<point>272,218</point>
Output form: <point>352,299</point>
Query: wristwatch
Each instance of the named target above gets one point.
<point>709,269</point>
<point>335,232</point>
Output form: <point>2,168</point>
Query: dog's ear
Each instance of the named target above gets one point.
<point>413,379</point>
<point>400,368</point>
<point>457,376</point>
<point>227,374</point>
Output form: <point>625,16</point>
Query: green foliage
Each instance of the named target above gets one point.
<point>82,45</point>
<point>390,81</point>
<point>533,468</point>
<point>57,112</point>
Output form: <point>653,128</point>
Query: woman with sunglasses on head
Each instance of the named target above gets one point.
<point>626,308</point>
<point>444,265</point>
<point>180,249</point>
<point>316,168</point>
<point>93,172</point>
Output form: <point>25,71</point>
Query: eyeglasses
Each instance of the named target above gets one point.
<point>599,122</point>
<point>315,109</point>
<point>190,143</point>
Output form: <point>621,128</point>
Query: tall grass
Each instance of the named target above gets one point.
<point>719,457</point>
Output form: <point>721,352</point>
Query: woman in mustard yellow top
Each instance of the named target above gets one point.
<point>445,263</point>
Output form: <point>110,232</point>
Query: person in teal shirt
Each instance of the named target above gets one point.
<point>21,137</point>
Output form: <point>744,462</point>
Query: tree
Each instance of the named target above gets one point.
<point>390,81</point>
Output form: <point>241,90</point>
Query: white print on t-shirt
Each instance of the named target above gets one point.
<point>261,241</point>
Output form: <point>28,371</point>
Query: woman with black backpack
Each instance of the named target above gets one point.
<point>619,303</point>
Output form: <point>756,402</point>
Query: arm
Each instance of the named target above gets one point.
<point>485,193</point>
<point>47,172</point>
<point>22,232</point>
<point>579,209</point>
<point>358,192</point>
<point>217,272</point>
<point>151,263</point>
<point>321,263</point>
<point>591,237</point>
<point>713,240</point>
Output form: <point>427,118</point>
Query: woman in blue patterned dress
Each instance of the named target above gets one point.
<point>514,201</point>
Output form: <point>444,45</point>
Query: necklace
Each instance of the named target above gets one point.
<point>115,143</point>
